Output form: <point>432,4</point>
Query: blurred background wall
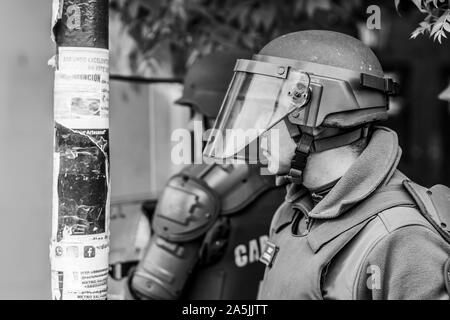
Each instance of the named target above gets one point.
<point>26,148</point>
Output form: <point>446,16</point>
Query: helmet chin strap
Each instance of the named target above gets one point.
<point>307,144</point>
<point>298,162</point>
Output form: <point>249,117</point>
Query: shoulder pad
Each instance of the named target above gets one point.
<point>236,185</point>
<point>196,170</point>
<point>186,209</point>
<point>433,204</point>
<point>440,196</point>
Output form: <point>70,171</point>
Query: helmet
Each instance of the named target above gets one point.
<point>310,80</point>
<point>207,80</point>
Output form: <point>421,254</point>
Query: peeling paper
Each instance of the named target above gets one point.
<point>82,87</point>
<point>57,7</point>
<point>52,62</point>
<point>79,246</point>
<point>82,22</point>
<point>82,181</point>
<point>80,242</point>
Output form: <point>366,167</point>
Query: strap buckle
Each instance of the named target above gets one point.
<point>391,87</point>
<point>295,176</point>
<point>387,85</point>
<point>298,163</point>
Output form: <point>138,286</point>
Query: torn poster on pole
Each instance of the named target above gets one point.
<point>79,246</point>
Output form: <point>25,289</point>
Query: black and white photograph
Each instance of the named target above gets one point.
<point>224,154</point>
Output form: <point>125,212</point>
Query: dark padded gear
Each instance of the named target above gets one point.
<point>187,208</point>
<point>207,80</point>
<point>187,225</point>
<point>215,242</point>
<point>163,271</point>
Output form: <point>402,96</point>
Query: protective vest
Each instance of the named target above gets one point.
<point>324,262</point>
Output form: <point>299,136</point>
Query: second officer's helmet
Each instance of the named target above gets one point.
<point>207,80</point>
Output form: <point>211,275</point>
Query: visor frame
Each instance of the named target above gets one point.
<point>346,83</point>
<point>359,95</point>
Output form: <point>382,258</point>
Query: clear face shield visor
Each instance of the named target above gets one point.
<point>260,95</point>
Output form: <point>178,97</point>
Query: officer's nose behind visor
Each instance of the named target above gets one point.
<point>259,96</point>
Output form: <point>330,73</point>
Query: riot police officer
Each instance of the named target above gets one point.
<point>352,225</point>
<point>211,221</point>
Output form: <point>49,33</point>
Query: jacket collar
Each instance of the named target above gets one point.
<point>373,169</point>
<point>325,230</point>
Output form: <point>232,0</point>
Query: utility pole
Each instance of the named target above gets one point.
<point>79,245</point>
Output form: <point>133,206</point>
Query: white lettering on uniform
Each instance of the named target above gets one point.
<point>240,256</point>
<point>245,254</point>
<point>254,250</point>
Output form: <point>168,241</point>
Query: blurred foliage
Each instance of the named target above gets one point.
<point>128,59</point>
<point>437,19</point>
<point>196,27</point>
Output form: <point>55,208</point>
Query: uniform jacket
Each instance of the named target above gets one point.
<point>343,254</point>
